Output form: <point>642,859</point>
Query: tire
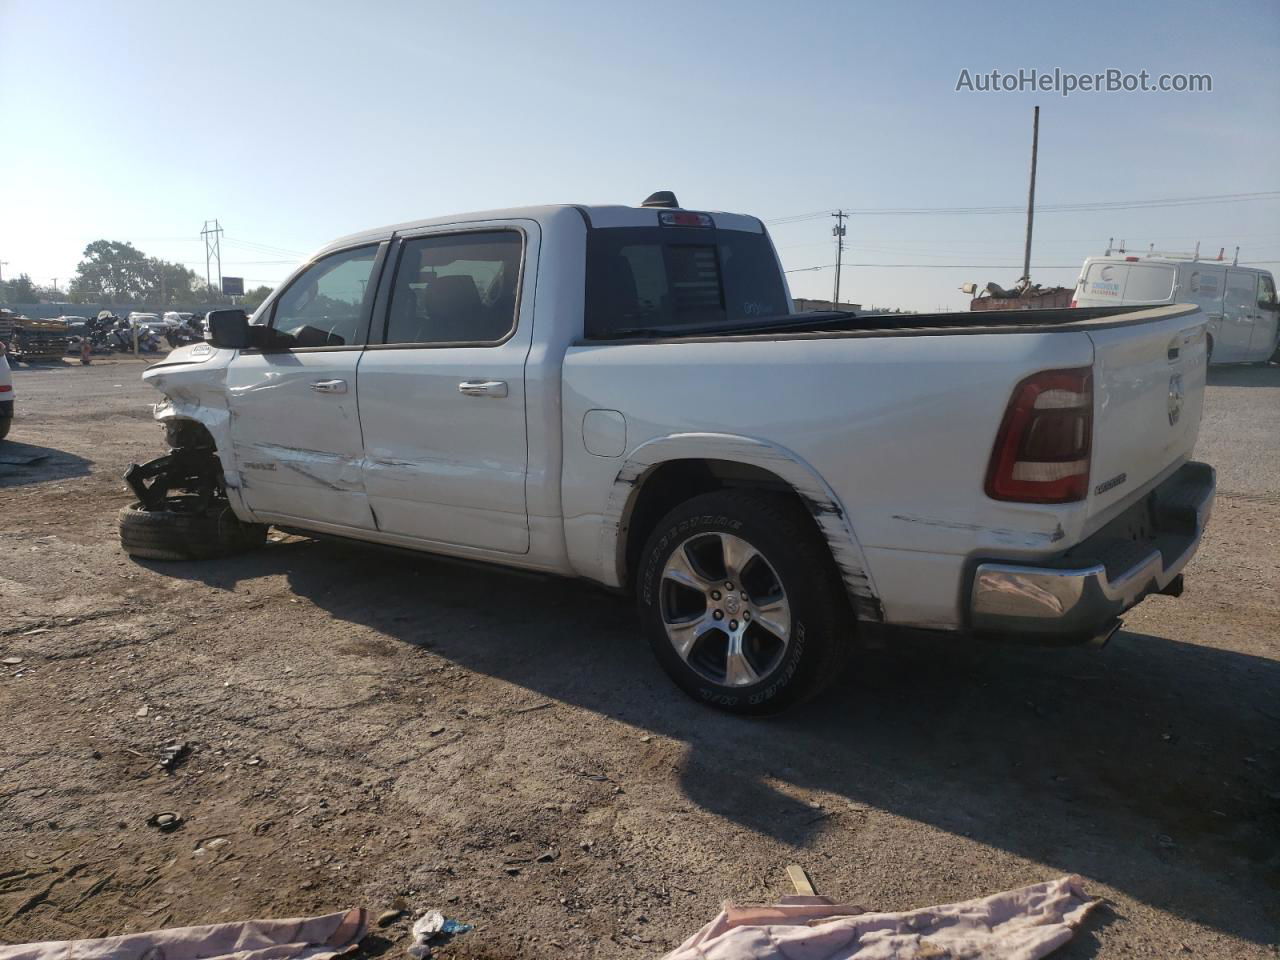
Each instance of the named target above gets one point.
<point>176,534</point>
<point>5,424</point>
<point>810,633</point>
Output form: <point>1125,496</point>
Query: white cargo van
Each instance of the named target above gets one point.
<point>1240,302</point>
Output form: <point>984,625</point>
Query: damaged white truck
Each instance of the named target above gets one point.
<point>624,394</point>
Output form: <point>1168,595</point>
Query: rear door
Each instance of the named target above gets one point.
<point>442,387</point>
<point>1148,391</point>
<point>1240,314</point>
<point>295,426</point>
<point>1112,283</point>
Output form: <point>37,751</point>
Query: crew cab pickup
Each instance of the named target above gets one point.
<point>623,394</point>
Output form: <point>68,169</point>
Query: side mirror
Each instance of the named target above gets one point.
<point>229,329</point>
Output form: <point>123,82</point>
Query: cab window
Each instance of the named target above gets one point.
<point>671,277</point>
<point>456,288</point>
<point>1266,290</point>
<point>325,305</point>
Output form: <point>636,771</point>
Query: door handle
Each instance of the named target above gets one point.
<point>329,386</point>
<point>483,388</point>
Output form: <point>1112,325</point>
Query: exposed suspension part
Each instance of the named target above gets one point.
<point>191,465</point>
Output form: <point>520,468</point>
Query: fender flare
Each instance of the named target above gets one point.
<point>822,502</point>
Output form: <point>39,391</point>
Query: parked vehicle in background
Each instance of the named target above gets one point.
<point>6,394</point>
<point>1240,302</point>
<point>152,322</point>
<point>658,420</point>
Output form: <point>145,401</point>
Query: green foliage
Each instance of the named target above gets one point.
<point>116,272</point>
<point>252,299</point>
<point>21,290</point>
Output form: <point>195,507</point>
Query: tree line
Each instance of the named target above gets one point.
<point>116,272</point>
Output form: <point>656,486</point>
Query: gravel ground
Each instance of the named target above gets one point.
<point>402,732</point>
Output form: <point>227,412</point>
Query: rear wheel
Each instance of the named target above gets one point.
<point>182,531</point>
<point>742,603</point>
<point>5,423</point>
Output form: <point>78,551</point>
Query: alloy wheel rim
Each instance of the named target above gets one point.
<point>724,609</point>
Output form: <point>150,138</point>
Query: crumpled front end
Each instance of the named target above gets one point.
<point>193,381</point>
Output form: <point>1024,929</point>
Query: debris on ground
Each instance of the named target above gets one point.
<point>165,822</point>
<point>434,929</point>
<point>1023,924</point>
<point>300,938</point>
<point>173,755</point>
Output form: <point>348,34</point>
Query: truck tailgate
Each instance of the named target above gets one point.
<point>1149,382</point>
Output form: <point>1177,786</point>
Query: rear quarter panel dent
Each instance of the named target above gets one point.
<point>821,501</point>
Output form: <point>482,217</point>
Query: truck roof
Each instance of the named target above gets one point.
<point>594,216</point>
<point>1172,261</point>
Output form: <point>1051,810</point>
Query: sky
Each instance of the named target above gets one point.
<point>294,123</point>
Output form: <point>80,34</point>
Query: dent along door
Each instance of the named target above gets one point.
<point>442,388</point>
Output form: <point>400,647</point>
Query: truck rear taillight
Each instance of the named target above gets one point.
<point>1073,303</point>
<point>5,388</point>
<point>1042,451</point>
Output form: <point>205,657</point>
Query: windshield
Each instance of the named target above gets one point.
<point>673,279</point>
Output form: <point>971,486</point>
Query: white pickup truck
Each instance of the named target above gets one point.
<point>623,394</point>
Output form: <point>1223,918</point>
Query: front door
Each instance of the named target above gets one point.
<point>295,425</point>
<point>1263,342</point>
<point>442,388</point>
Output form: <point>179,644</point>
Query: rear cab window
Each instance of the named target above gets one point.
<point>668,278</point>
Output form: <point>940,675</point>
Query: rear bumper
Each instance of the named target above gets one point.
<point>1079,595</point>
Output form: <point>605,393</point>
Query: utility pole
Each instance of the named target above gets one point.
<point>212,251</point>
<point>838,232</point>
<point>3,264</point>
<point>1031,196</point>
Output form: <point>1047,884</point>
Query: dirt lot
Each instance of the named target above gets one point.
<point>381,730</point>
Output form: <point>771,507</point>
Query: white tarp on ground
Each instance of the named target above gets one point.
<point>301,938</point>
<point>1023,924</point>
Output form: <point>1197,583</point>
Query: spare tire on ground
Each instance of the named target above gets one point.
<point>182,532</point>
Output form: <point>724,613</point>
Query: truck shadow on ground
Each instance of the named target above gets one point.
<point>1245,375</point>
<point>1149,765</point>
<point>23,463</point>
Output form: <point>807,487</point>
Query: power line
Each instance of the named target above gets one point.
<point>1042,208</point>
<point>264,247</point>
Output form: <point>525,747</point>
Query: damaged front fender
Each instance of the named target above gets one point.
<point>193,380</point>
